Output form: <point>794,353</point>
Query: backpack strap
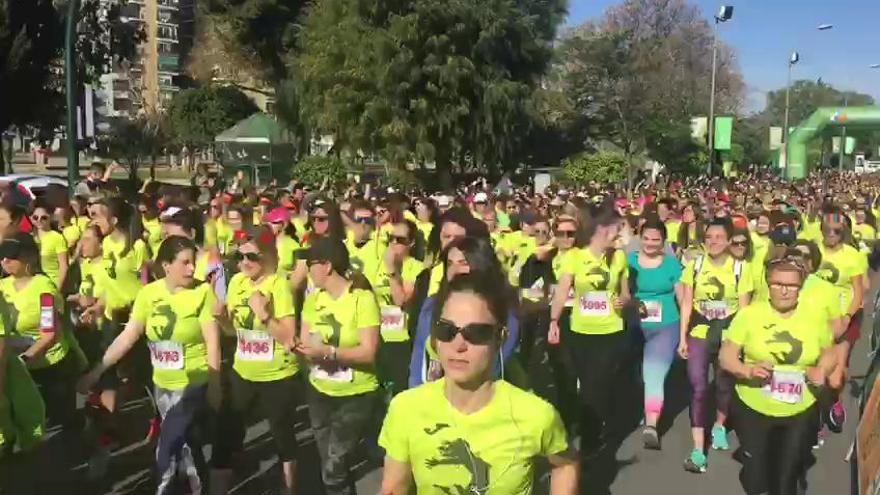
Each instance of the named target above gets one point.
<point>737,272</point>
<point>698,265</point>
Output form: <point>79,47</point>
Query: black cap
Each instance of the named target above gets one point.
<point>783,234</point>
<point>326,249</point>
<point>14,246</point>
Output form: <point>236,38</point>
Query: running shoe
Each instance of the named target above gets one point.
<point>651,438</point>
<point>837,417</point>
<point>820,438</point>
<point>696,463</point>
<point>719,438</point>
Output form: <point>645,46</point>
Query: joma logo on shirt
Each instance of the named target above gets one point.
<point>784,347</point>
<point>829,272</point>
<point>459,453</point>
<point>713,288</point>
<point>598,278</point>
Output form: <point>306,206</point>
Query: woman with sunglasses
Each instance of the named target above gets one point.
<point>464,255</point>
<point>339,336</point>
<point>210,268</point>
<point>656,278</point>
<point>175,315</point>
<point>494,429</point>
<point>741,249</point>
<point>394,285</point>
<point>52,245</point>
<point>286,241</point>
<point>259,311</point>
<point>846,268</point>
<point>784,343</point>
<point>37,334</point>
<point>598,274</point>
<point>325,221</point>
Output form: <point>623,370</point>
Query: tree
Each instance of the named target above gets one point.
<point>314,170</point>
<point>130,141</point>
<point>197,115</point>
<point>601,167</point>
<point>805,97</point>
<point>644,64</point>
<point>423,81</point>
<point>104,39</point>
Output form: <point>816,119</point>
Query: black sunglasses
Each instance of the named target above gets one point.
<point>365,220</point>
<point>565,234</point>
<point>829,230</point>
<point>239,256</point>
<point>475,333</point>
<point>740,243</point>
<point>396,239</point>
<point>39,218</point>
<point>318,218</point>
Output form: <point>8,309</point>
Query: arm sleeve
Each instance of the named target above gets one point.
<point>141,308</point>
<point>567,266</point>
<point>367,310</point>
<point>746,280</point>
<point>206,314</point>
<point>687,275</point>
<point>282,298</point>
<point>553,436</point>
<point>392,438</point>
<point>738,330</point>
<point>60,245</point>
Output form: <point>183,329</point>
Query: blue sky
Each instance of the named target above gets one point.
<point>765,32</point>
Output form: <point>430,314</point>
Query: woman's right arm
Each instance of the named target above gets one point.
<point>396,477</point>
<point>121,345</point>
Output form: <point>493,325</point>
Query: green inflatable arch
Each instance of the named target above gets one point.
<point>823,119</point>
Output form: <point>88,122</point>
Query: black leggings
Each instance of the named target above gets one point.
<point>774,449</point>
<point>276,401</point>
<point>597,360</point>
<point>57,385</point>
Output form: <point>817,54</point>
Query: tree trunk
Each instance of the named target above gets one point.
<point>152,167</point>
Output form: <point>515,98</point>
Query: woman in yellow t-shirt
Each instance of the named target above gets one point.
<point>499,430</point>
<point>259,312</point>
<point>598,273</point>
<point>53,246</point>
<point>37,334</point>
<point>339,337</point>
<point>176,316</point>
<point>70,229</point>
<point>785,344</point>
<point>286,240</point>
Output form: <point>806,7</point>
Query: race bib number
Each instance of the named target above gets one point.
<point>254,345</point>
<point>653,312</point>
<point>595,304</point>
<point>333,374</point>
<point>393,321</point>
<point>166,355</point>
<point>786,386</point>
<point>714,310</point>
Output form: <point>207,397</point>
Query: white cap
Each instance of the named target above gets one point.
<point>443,201</point>
<point>169,212</point>
<point>481,197</point>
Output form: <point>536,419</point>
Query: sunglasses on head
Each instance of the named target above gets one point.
<point>475,333</point>
<point>239,256</point>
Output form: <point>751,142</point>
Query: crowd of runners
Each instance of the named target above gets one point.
<point>476,337</point>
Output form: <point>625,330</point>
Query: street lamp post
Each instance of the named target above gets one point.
<point>842,136</point>
<point>725,13</point>
<point>71,85</point>
<point>795,57</point>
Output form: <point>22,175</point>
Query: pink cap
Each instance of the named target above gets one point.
<point>277,215</point>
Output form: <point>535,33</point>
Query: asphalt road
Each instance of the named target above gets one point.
<point>626,469</point>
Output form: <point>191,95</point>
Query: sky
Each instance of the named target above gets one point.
<point>763,34</point>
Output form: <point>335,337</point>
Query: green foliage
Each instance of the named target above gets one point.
<point>424,80</point>
<point>806,97</point>
<point>103,39</point>
<point>604,166</point>
<point>670,142</point>
<point>198,115</point>
<point>130,141</point>
<point>262,31</point>
<point>401,179</point>
<point>315,170</point>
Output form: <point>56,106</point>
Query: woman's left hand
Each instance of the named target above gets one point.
<point>313,351</point>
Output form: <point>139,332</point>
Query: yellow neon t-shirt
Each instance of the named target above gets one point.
<point>23,307</point>
<point>260,365</point>
<point>71,234</point>
<point>287,247</point>
<point>864,235</point>
<point>52,244</point>
<point>790,344</point>
<point>839,267</point>
<point>124,271</point>
<point>153,230</point>
<point>490,451</point>
<point>718,283</point>
<point>367,258</point>
<point>596,284</point>
<point>338,322</point>
<point>174,321</point>
<point>394,319</point>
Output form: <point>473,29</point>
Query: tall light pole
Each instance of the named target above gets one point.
<point>71,89</point>
<point>725,13</point>
<point>795,57</point>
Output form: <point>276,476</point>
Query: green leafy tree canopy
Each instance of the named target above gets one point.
<point>197,115</point>
<point>315,169</point>
<point>601,167</point>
